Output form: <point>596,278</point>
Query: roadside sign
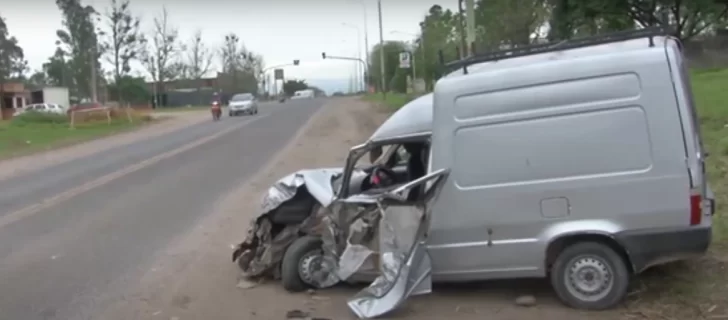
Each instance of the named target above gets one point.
<point>404,60</point>
<point>278,74</point>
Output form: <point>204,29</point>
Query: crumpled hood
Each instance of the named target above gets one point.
<point>317,181</point>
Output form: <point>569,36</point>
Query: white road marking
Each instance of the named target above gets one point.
<point>70,193</point>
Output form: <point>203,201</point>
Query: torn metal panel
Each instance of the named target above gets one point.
<point>405,265</point>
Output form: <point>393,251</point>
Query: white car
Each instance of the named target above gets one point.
<point>242,103</point>
<point>43,107</point>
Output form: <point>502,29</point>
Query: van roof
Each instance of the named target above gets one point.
<point>416,116</point>
<point>614,48</point>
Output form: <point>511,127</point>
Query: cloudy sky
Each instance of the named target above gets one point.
<point>280,30</point>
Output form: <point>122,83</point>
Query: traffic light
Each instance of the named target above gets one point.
<point>296,62</point>
<point>323,55</point>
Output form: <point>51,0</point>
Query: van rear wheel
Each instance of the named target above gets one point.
<point>591,276</point>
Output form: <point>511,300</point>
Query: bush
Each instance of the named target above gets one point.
<point>39,117</point>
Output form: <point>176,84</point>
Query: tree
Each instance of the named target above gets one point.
<point>199,59</point>
<point>38,78</point>
<point>392,49</point>
<point>133,88</point>
<point>439,33</point>
<point>124,41</point>
<point>291,86</point>
<point>12,59</point>
<point>686,19</point>
<point>508,22</point>
<point>159,53</point>
<point>79,41</point>
<point>242,68</point>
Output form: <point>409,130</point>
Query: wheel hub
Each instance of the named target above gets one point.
<point>589,278</point>
<point>317,270</point>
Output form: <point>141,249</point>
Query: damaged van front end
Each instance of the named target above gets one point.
<point>357,235</point>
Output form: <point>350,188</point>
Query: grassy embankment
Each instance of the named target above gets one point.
<point>34,132</point>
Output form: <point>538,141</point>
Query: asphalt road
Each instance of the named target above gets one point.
<point>62,260</point>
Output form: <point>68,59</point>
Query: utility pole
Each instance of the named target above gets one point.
<point>463,45</point>
<point>381,53</point>
<point>94,96</point>
<point>366,48</point>
<point>470,24</point>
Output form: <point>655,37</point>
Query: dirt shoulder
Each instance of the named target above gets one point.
<point>43,159</point>
<point>196,279</point>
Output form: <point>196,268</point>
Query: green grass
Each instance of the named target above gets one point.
<point>33,133</point>
<point>710,88</point>
<point>393,100</point>
<point>697,289</point>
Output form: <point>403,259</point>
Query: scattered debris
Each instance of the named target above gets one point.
<point>296,314</point>
<point>526,301</point>
<point>320,298</point>
<point>244,283</point>
<point>466,309</point>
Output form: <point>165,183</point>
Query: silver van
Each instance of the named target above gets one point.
<point>579,162</point>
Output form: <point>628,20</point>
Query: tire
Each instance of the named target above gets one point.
<point>230,114</point>
<point>591,256</point>
<point>290,276</point>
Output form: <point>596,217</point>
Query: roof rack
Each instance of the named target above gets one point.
<point>648,32</point>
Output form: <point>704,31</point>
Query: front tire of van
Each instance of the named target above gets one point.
<point>590,276</point>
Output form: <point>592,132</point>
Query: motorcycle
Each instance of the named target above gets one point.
<point>216,111</point>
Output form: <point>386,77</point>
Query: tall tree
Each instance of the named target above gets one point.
<point>159,55</point>
<point>56,69</point>
<point>241,68</point>
<point>199,59</point>
<point>392,49</point>
<point>438,33</point>
<point>12,59</point>
<point>79,41</point>
<point>686,19</point>
<point>509,22</point>
<point>124,40</point>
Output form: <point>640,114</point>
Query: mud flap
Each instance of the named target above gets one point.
<point>405,265</point>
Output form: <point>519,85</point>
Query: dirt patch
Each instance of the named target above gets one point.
<point>196,279</point>
<point>44,159</point>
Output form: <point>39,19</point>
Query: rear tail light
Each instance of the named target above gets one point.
<point>696,213</point>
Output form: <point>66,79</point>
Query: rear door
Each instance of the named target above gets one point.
<point>695,153</point>
<point>405,264</point>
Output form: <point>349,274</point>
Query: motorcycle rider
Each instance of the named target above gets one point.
<point>216,106</point>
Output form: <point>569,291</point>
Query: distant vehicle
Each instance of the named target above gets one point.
<point>242,103</point>
<point>42,107</point>
<point>304,94</point>
<point>84,106</point>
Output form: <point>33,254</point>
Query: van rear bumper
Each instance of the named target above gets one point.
<point>647,248</point>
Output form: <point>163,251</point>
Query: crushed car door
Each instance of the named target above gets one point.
<point>405,265</point>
